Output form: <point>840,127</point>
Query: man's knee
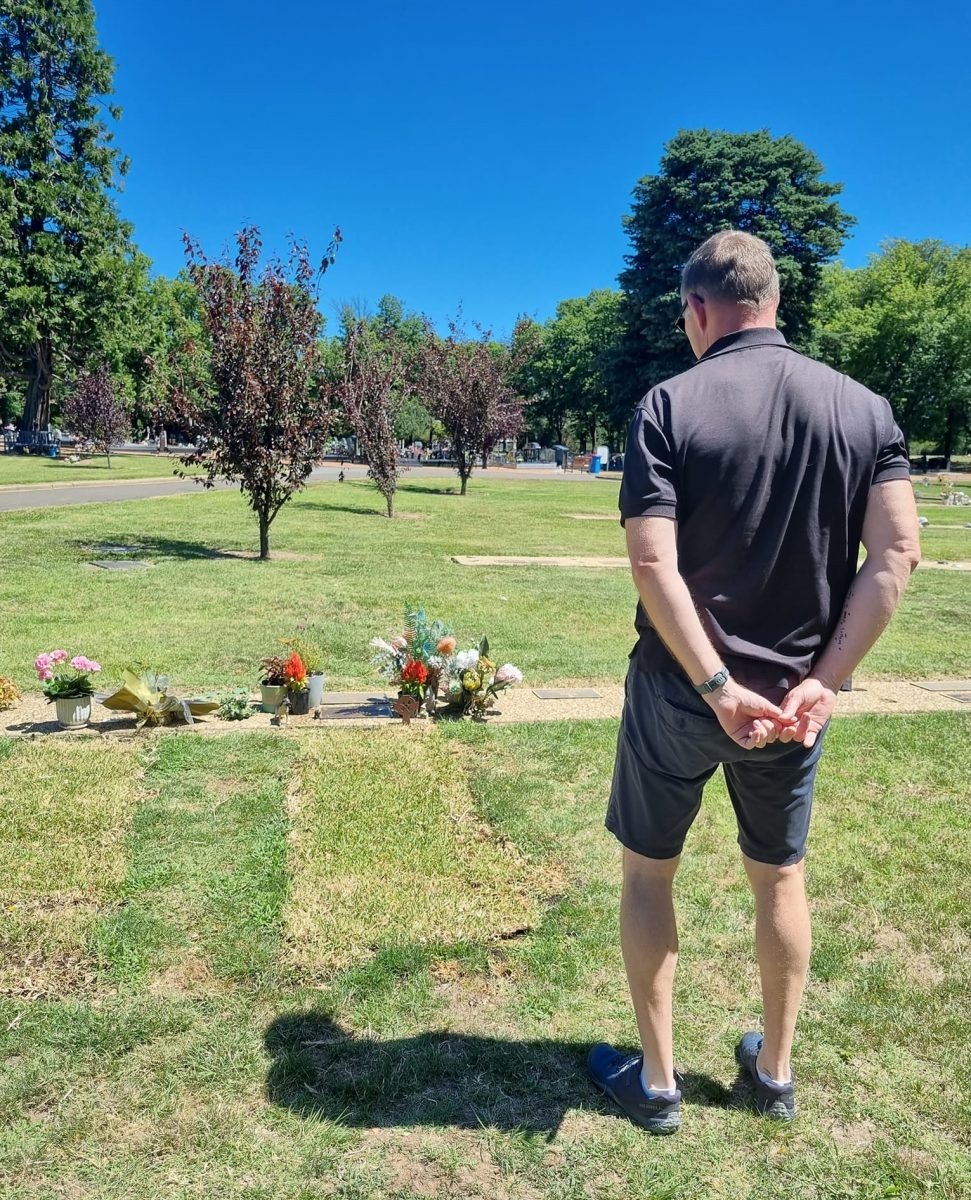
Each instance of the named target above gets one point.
<point>763,876</point>
<point>640,870</point>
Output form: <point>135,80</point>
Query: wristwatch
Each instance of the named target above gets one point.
<point>719,679</point>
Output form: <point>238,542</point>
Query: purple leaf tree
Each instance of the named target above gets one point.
<point>94,413</point>
<point>257,414</point>
<point>370,390</point>
<point>466,385</point>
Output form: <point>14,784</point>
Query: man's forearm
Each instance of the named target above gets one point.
<point>870,603</point>
<point>671,610</point>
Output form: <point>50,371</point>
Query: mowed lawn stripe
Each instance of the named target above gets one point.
<point>66,811</point>
<point>389,851</point>
<point>207,880</point>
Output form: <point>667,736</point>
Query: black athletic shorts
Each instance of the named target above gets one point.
<point>670,744</point>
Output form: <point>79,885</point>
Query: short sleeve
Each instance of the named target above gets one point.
<point>647,488</point>
<point>893,462</point>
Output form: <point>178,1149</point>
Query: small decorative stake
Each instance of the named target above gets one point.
<point>406,707</point>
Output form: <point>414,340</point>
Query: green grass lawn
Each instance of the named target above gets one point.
<point>219,1035</point>
<point>27,469</point>
<point>207,618</point>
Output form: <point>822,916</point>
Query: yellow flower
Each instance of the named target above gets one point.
<point>471,681</point>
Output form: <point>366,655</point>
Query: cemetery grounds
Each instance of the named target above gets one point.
<point>361,963</point>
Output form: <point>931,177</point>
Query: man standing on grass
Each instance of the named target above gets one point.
<point>749,483</point>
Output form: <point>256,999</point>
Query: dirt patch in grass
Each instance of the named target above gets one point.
<point>854,1136</point>
<point>190,976</point>
<point>387,845</point>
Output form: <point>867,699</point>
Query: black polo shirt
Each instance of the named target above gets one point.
<point>765,459</point>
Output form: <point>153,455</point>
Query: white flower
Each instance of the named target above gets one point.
<point>381,644</point>
<point>507,673</point>
<point>465,660</point>
<point>398,643</point>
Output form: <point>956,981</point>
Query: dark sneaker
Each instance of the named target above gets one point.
<point>619,1076</point>
<point>771,1099</point>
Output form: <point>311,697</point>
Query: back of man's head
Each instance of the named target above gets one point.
<point>734,268</point>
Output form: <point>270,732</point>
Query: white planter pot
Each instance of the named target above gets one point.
<point>316,690</point>
<point>73,713</point>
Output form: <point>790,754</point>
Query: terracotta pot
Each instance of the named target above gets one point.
<point>73,712</point>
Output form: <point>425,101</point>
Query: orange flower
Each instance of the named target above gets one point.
<point>446,645</point>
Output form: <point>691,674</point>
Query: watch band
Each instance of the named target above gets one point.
<point>719,679</point>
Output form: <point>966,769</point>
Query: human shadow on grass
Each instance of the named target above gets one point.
<point>438,1078</point>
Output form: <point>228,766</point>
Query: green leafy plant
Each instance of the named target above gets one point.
<point>234,706</point>
<point>9,693</point>
<point>147,696</point>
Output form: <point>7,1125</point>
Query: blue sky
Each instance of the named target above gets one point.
<point>484,154</point>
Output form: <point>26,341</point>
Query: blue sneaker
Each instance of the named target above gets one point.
<point>619,1076</point>
<point>771,1099</point>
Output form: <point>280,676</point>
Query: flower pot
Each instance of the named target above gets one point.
<point>271,696</point>
<point>300,702</point>
<point>316,690</point>
<point>73,712</point>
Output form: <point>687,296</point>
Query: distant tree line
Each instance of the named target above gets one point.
<point>87,332</point>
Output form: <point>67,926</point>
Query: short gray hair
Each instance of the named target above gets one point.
<point>733,266</point>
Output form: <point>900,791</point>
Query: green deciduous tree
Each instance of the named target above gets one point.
<point>66,269</point>
<point>902,326</point>
<point>568,372</point>
<point>711,180</point>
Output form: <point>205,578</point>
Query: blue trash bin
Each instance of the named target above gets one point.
<point>54,451</point>
<point>596,466</point>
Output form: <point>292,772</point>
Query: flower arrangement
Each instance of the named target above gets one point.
<point>148,698</point>
<point>295,674</point>
<point>416,659</point>
<point>426,656</point>
<point>9,693</point>
<point>475,680</point>
<point>52,671</point>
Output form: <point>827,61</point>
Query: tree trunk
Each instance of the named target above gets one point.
<point>390,499</point>
<point>37,406</point>
<point>948,439</point>
<point>485,463</point>
<point>108,457</point>
<point>264,535</point>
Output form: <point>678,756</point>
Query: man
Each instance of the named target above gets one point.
<point>749,483</point>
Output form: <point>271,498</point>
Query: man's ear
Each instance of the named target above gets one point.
<point>698,308</point>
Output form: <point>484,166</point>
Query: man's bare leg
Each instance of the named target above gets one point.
<point>649,940</point>
<point>783,941</point>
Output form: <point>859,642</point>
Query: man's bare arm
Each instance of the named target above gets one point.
<point>653,550</point>
<point>891,536</point>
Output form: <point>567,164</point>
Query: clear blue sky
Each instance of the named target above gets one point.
<point>484,154</point>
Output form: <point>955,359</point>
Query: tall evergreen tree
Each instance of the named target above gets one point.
<point>711,180</point>
<point>65,256</point>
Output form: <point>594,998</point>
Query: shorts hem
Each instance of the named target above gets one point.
<point>790,860</point>
<point>626,843</point>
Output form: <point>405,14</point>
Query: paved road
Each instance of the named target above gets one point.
<point>52,495</point>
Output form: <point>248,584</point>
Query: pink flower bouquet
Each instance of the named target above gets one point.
<point>65,680</point>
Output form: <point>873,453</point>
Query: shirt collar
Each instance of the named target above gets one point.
<point>742,339</point>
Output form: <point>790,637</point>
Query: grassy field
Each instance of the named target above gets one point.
<point>207,617</point>
<point>191,1022</point>
<point>25,470</point>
